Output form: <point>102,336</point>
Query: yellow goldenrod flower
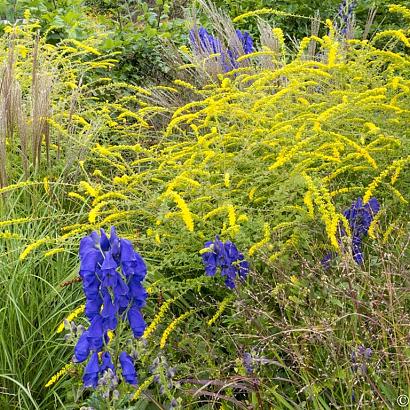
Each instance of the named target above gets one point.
<point>398,34</point>
<point>252,193</point>
<point>32,247</point>
<point>266,238</point>
<point>294,279</point>
<point>71,317</point>
<point>374,224</point>
<point>307,199</point>
<point>54,252</point>
<point>77,196</point>
<point>142,387</point>
<point>227,180</point>
<point>171,327</point>
<point>157,319</point>
<point>378,180</point>
<point>58,375</point>
<point>243,218</point>
<point>90,190</point>
<point>46,185</point>
<point>14,221</point>
<point>93,214</point>
<point>184,84</point>
<point>388,232</point>
<point>83,46</point>
<point>221,309</point>
<point>9,235</point>
<point>404,11</point>
<point>11,187</point>
<point>185,212</point>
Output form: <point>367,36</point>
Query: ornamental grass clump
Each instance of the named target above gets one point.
<point>111,273</point>
<point>48,110</point>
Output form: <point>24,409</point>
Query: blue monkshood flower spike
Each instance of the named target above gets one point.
<point>91,283</point>
<point>106,363</point>
<point>87,244</point>
<point>137,322</point>
<point>82,348</point>
<point>121,288</point>
<point>95,333</point>
<point>246,41</point>
<point>203,42</point>
<point>114,243</point>
<point>210,259</point>
<point>93,306</point>
<point>104,241</point>
<point>138,293</point>
<point>226,257</point>
<point>247,362</point>
<point>90,377</point>
<point>111,273</point>
<point>127,251</point>
<point>109,262</point>
<point>345,16</point>
<point>90,259</point>
<point>360,217</point>
<point>243,267</point>
<point>207,42</point>
<point>128,369</point>
<point>109,309</point>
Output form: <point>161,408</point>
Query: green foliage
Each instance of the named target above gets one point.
<point>61,19</point>
<point>296,27</point>
<point>135,30</point>
<point>268,156</point>
<point>32,299</point>
<point>139,31</point>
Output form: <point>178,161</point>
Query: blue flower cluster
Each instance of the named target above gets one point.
<point>227,257</point>
<point>360,217</point>
<point>111,272</point>
<point>360,358</point>
<point>204,42</point>
<point>345,15</point>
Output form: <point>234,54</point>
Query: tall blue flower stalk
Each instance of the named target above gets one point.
<point>227,258</point>
<point>345,16</point>
<point>203,42</point>
<point>111,273</point>
<point>360,217</point>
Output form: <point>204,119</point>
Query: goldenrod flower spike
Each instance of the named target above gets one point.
<point>157,319</point>
<point>59,375</point>
<point>182,205</point>
<point>142,388</point>
<point>221,309</point>
<point>75,313</point>
<point>171,327</point>
<point>32,247</point>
